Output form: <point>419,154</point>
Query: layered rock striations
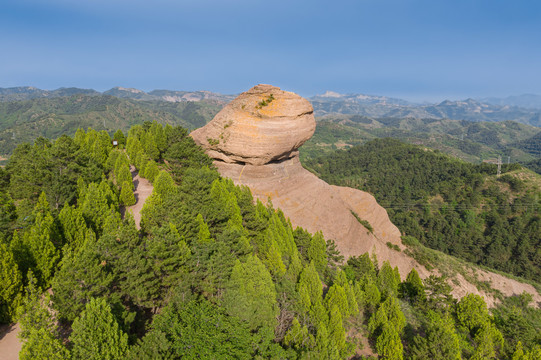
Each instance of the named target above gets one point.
<point>254,141</point>
<point>261,125</point>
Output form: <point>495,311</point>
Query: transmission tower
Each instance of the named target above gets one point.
<point>499,166</point>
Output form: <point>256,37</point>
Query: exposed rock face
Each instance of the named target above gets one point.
<point>261,125</point>
<point>255,140</point>
<point>257,147</point>
<point>314,205</point>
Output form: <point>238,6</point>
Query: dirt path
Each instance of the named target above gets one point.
<point>9,342</point>
<point>143,189</point>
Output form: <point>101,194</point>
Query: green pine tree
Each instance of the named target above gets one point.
<point>250,294</point>
<point>388,344</point>
<point>164,185</point>
<point>11,284</point>
<point>42,344</point>
<point>96,334</point>
<point>127,197</point>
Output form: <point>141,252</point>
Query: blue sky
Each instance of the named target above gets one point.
<point>419,50</point>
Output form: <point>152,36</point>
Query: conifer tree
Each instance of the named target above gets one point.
<point>337,334</point>
<point>441,341</point>
<point>164,185</point>
<point>489,341</point>
<point>298,336</point>
<point>96,334</point>
<point>396,317</point>
<point>11,284</point>
<point>37,326</point>
<point>123,175</point>
<point>317,252</point>
<point>336,297</point>
<point>96,206</point>
<point>204,233</point>
<point>110,164</point>
<point>160,139</point>
<point>100,147</point>
<point>472,312</point>
<point>341,279</point>
<point>73,226</point>
<point>250,294</point>
<point>413,288</point>
<point>41,344</point>
<point>7,214</point>
<point>388,344</point>
<point>387,281</point>
<point>310,283</point>
<point>368,295</point>
<point>82,276</point>
<point>80,137</point>
<point>33,315</point>
<point>127,197</point>
<point>322,342</point>
<point>169,254</point>
<point>519,352</point>
<point>149,146</point>
<point>120,137</point>
<point>151,170</point>
<point>376,322</point>
<point>39,240</point>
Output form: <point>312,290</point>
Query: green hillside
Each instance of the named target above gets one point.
<point>470,141</point>
<point>460,208</point>
<point>24,121</point>
<point>210,274</point>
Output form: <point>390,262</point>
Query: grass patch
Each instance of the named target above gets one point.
<point>392,246</point>
<point>364,223</point>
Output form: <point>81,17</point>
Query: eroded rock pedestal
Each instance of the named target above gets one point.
<point>254,140</point>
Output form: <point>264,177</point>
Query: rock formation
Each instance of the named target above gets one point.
<point>254,140</point>
<point>259,126</point>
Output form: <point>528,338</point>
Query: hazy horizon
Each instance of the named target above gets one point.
<point>418,50</point>
<point>414,98</point>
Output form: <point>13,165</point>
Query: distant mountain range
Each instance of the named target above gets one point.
<point>528,101</point>
<point>28,93</point>
<point>525,109</point>
<point>385,107</point>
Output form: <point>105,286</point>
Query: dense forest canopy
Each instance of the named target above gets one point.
<point>460,208</point>
<point>210,273</point>
<point>470,141</point>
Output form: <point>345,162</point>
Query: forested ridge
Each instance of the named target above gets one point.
<point>25,120</point>
<point>460,208</point>
<point>210,274</point>
<point>474,142</point>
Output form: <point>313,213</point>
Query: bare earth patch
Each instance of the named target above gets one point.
<point>143,189</point>
<point>10,344</point>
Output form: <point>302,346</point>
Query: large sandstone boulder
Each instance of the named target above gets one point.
<point>261,125</point>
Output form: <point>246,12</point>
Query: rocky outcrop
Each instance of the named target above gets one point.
<point>261,125</point>
<point>255,139</point>
<point>314,205</point>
